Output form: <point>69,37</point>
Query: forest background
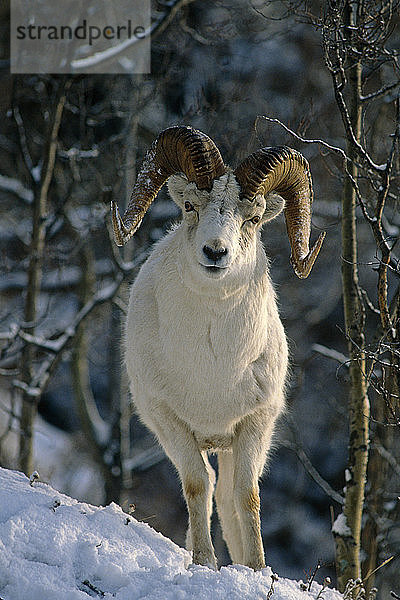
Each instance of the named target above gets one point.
<point>320,77</point>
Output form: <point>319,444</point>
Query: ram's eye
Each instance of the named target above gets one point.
<point>255,219</point>
<point>188,207</point>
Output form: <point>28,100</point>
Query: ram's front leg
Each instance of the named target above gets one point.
<point>197,478</point>
<point>198,488</point>
<point>250,449</point>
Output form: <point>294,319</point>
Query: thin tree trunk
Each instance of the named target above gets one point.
<point>348,543</point>
<point>95,429</point>
<point>29,403</point>
<point>378,467</point>
<point>115,482</point>
<point>119,319</point>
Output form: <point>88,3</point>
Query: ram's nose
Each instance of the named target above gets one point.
<point>214,253</point>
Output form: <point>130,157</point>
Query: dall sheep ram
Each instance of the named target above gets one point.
<point>205,349</point>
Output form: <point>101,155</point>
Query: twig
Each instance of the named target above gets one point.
<point>194,34</point>
<point>153,31</point>
<point>384,90</point>
<point>93,588</point>
<point>57,346</point>
<point>330,353</point>
<point>388,457</point>
<point>300,138</point>
<point>312,471</point>
<point>142,460</point>
<point>368,302</point>
<point>378,231</point>
<point>313,574</point>
<point>24,145</point>
<point>274,579</point>
<point>385,562</point>
<point>9,184</point>
<point>346,159</point>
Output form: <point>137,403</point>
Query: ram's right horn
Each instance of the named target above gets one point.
<point>286,172</point>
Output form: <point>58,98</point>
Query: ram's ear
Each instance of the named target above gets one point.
<point>177,188</point>
<point>274,205</point>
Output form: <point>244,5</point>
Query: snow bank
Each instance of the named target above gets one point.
<point>53,547</point>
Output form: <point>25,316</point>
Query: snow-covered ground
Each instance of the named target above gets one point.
<point>53,547</point>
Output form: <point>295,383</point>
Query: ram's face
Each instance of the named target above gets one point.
<point>221,227</point>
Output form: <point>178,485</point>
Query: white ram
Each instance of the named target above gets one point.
<point>205,349</point>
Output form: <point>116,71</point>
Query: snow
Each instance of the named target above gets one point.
<point>9,184</point>
<point>53,547</point>
<point>340,526</point>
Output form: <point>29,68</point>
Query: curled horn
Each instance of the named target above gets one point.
<point>285,171</point>
<point>176,150</point>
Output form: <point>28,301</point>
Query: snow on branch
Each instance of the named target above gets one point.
<point>16,187</point>
<point>33,171</point>
<point>381,92</point>
<point>330,353</point>
<point>55,347</point>
<point>340,526</point>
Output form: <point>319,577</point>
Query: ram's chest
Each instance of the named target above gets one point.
<point>207,347</point>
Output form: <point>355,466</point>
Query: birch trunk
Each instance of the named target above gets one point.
<point>348,544</point>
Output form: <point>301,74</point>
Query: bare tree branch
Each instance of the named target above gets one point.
<point>24,146</point>
<point>381,92</point>
<point>312,471</point>
<point>156,28</point>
